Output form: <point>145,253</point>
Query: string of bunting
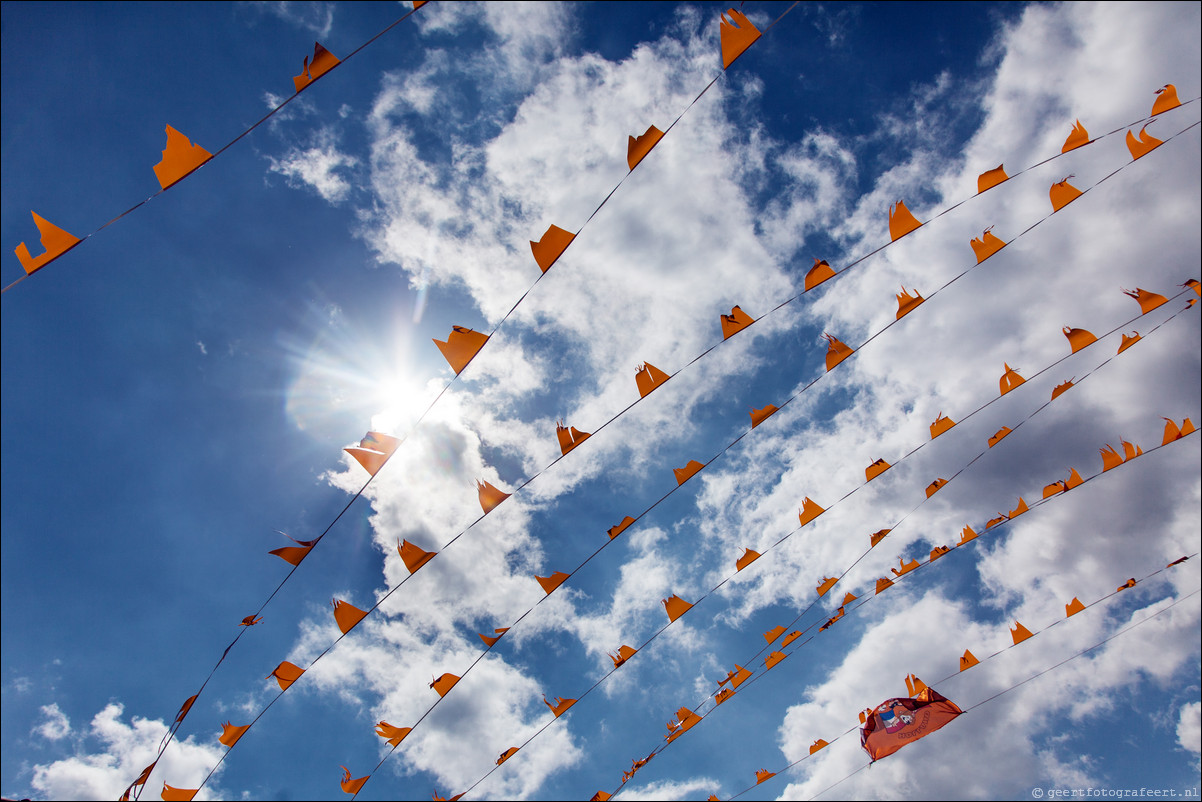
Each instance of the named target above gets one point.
<point>486,489</point>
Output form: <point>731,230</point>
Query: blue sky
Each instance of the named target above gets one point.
<point>181,385</point>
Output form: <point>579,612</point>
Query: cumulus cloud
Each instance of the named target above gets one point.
<point>717,217</point>
<point>321,167</point>
<point>1189,728</point>
<point>55,725</point>
<point>111,752</point>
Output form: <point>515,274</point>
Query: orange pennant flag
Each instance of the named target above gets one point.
<point>648,377</point>
<point>1061,388</point>
<point>230,734</point>
<point>747,559</point>
<point>638,147</point>
<point>490,496</point>
<point>941,425</point>
<point>675,607</point>
<point>294,554</point>
<point>907,303</point>
<point>547,250</point>
<point>349,785</point>
<point>818,745</point>
<point>991,178</point>
<point>550,583</point>
<point>1019,633</point>
<point>444,683</point>
<point>774,633</point>
<point>877,537</point>
<point>758,416</point>
<point>820,272</point>
<point>1062,194</point>
<point>876,469</point>
<point>55,242</point>
<point>569,437</point>
<point>825,585</point>
<point>935,486</point>
<point>809,511</point>
<point>1076,138</point>
<point>1142,145</point>
<point>1147,300</point>
<point>393,735</point>
<point>323,61</point>
<point>1166,98</point>
<point>623,654</point>
<point>999,435</point>
<point>413,556</point>
<point>491,641</point>
<point>1010,379</point>
<point>508,753</point>
<point>1078,338</point>
<point>735,322</point>
<point>966,534</point>
<point>461,347</point>
<point>687,472</point>
<point>737,34</point>
<point>1073,607</point>
<point>901,221</point>
<point>614,531</point>
<point>763,775</point>
<point>347,615</point>
<point>836,351</point>
<point>173,794</point>
<point>987,245</point>
<point>1128,341</point>
<point>180,158</point>
<point>285,674</point>
<point>968,660</point>
<point>561,705</point>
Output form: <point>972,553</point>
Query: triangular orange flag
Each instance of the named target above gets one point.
<point>285,674</point>
<point>55,242</point>
<point>490,496</point>
<point>323,61</point>
<point>901,221</point>
<point>349,785</point>
<point>820,272</point>
<point>393,735</point>
<point>735,322</point>
<point>907,303</point>
<point>1142,145</point>
<point>648,377</point>
<point>347,615</point>
<point>809,511</point>
<point>180,158</point>
<point>747,559</point>
<point>230,734</point>
<point>687,472</point>
<point>294,554</point>
<point>173,794</point>
<point>675,607</point>
<point>551,246</point>
<point>444,683</point>
<point>550,583</point>
<point>1010,379</point>
<point>461,347</point>
<point>639,147</point>
<point>413,556</point>
<point>1166,98</point>
<point>991,178</point>
<point>836,351</point>
<point>1062,194</point>
<point>1076,138</point>
<point>986,246</point>
<point>737,34</point>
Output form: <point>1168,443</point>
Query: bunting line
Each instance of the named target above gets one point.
<point>641,515</point>
<point>720,584</point>
<point>223,148</point>
<point>757,675</point>
<point>1081,653</point>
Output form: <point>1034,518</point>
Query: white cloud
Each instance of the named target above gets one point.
<point>124,750</point>
<point>681,241</point>
<point>317,17</point>
<point>320,167</point>
<point>55,726</point>
<point>1189,728</point>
